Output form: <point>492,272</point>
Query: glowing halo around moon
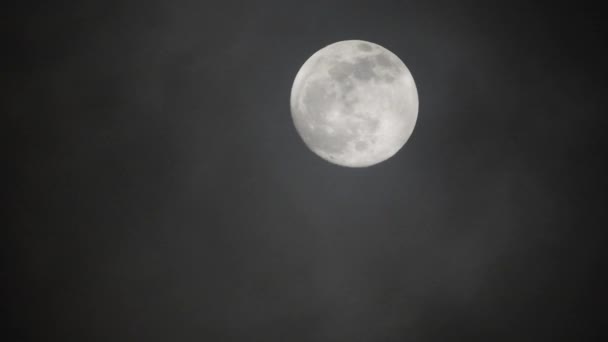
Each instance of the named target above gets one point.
<point>354,103</point>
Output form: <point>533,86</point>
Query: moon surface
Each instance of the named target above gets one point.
<point>354,103</point>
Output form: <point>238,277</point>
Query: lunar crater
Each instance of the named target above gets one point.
<point>365,47</point>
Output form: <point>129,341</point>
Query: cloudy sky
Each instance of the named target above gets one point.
<point>159,191</point>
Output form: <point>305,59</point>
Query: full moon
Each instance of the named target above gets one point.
<point>354,103</point>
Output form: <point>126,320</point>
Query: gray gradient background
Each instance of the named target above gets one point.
<point>161,192</point>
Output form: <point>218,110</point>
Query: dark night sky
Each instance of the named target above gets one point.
<point>161,192</point>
